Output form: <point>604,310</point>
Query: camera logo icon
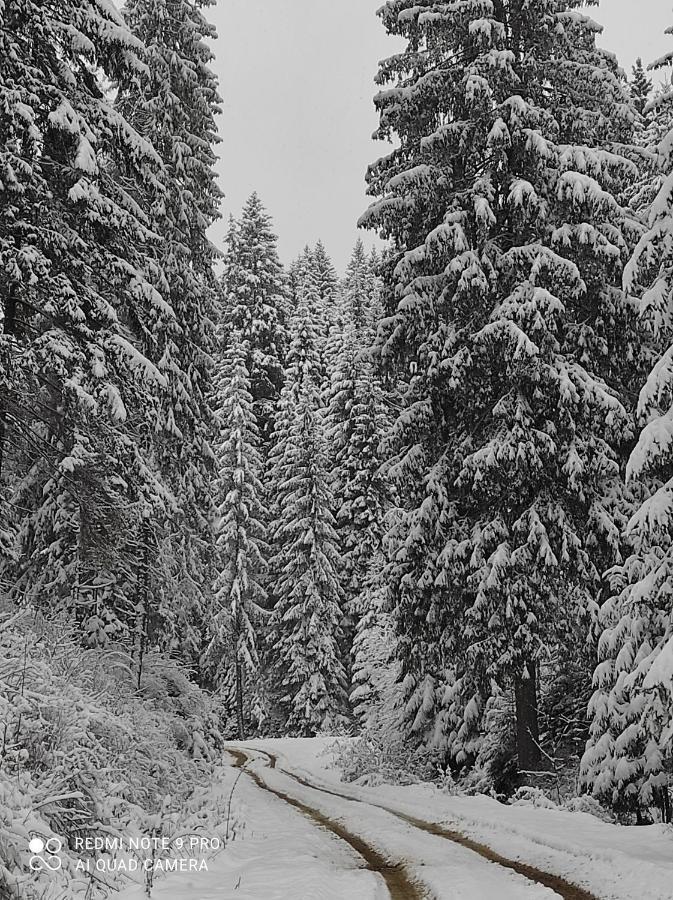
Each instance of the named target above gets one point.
<point>45,854</point>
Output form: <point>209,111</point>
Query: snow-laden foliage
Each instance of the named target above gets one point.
<point>629,759</point>
<point>641,86</point>
<point>78,382</point>
<point>355,419</point>
<point>238,607</point>
<point>361,290</point>
<point>305,646</point>
<point>85,754</point>
<point>174,103</point>
<point>254,304</point>
<point>506,314</point>
<point>313,280</point>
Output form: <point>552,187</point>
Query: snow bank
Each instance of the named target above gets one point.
<point>613,861</point>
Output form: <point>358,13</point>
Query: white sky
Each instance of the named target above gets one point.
<point>297,81</point>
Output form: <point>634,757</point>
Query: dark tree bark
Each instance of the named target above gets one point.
<point>8,328</point>
<point>143,609</point>
<point>239,701</point>
<point>527,725</point>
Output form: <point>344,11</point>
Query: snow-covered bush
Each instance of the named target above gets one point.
<point>495,768</point>
<point>532,796</point>
<point>84,752</point>
<point>372,759</point>
<point>588,804</point>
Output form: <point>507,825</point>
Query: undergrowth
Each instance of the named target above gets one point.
<point>85,752</point>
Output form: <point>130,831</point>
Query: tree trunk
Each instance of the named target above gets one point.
<point>143,609</point>
<point>239,701</point>
<point>527,726</point>
<point>8,328</point>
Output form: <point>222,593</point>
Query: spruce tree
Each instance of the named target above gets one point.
<point>174,102</point>
<point>305,642</point>
<point>326,280</point>
<point>254,296</point>
<point>76,273</point>
<point>361,290</point>
<point>313,275</point>
<point>641,86</point>
<point>628,758</point>
<point>355,420</point>
<point>374,688</point>
<point>508,318</point>
<point>238,614</point>
<point>305,623</point>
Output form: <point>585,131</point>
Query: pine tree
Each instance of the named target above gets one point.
<point>326,281</point>
<point>254,289</point>
<point>628,758</point>
<point>374,690</point>
<point>355,419</point>
<point>313,275</point>
<point>238,613</point>
<point>174,101</point>
<point>641,86</point>
<point>305,642</point>
<point>78,389</point>
<point>361,290</point>
<point>503,291</point>
<point>305,623</point>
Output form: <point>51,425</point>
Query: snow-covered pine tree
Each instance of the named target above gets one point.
<point>355,419</point>
<point>356,310</point>
<point>174,101</point>
<point>305,644</point>
<point>374,689</point>
<point>360,289</point>
<point>303,373</point>
<point>313,275</point>
<point>641,86</point>
<point>503,289</point>
<point>629,757</point>
<point>327,284</point>
<point>296,272</point>
<point>305,623</point>
<point>254,297</point>
<point>238,613</point>
<point>75,287</point>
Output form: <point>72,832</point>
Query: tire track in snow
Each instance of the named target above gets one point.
<point>398,882</point>
<point>565,889</point>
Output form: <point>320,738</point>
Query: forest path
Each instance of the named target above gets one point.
<point>559,886</point>
<point>398,882</point>
<point>416,859</point>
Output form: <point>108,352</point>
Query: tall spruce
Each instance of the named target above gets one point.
<point>238,615</point>
<point>628,758</point>
<point>641,86</point>
<point>326,281</point>
<point>80,373</point>
<point>254,289</point>
<point>313,276</point>
<point>355,420</point>
<point>507,316</point>
<point>174,101</point>
<point>305,641</point>
<point>361,290</point>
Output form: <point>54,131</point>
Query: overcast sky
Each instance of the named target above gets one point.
<point>296,77</point>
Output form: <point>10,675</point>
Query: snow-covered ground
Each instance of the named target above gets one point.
<point>612,861</point>
<point>280,853</point>
<point>275,854</point>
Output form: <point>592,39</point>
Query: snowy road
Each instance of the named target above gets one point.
<point>300,833</point>
<point>412,858</point>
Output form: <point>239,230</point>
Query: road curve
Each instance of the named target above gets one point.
<point>396,877</point>
<point>565,889</point>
